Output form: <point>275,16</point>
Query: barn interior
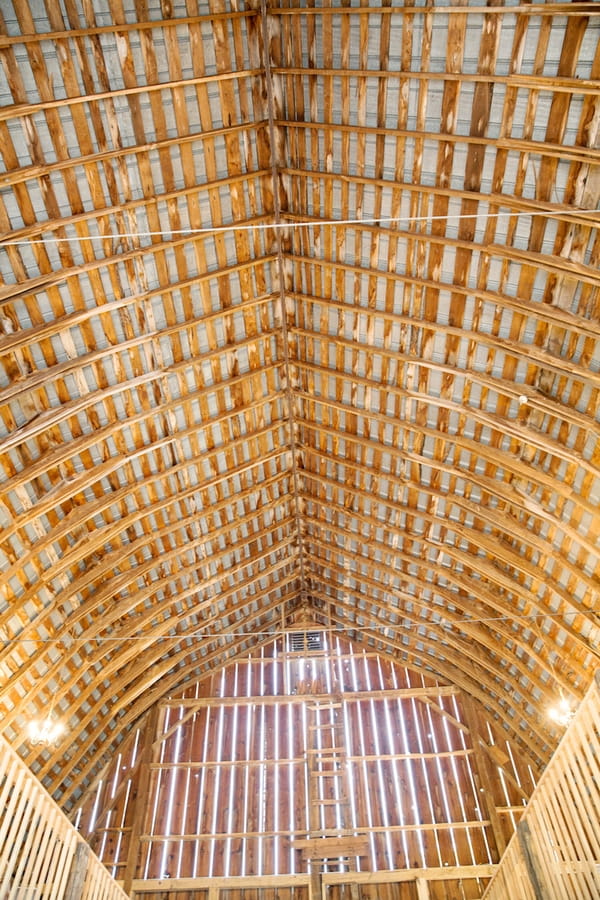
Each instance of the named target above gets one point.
<point>299,371</point>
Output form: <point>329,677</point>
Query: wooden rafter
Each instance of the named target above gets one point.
<point>298,318</point>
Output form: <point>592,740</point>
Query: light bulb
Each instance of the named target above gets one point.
<point>44,731</point>
<point>562,713</point>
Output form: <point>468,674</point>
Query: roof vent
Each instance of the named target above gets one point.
<point>305,641</point>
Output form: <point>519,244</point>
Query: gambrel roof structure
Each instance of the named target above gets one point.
<point>299,323</point>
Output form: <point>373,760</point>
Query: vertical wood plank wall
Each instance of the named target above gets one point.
<point>38,845</point>
<point>228,793</point>
<point>555,854</point>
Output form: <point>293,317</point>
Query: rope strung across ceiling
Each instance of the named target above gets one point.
<point>324,223</point>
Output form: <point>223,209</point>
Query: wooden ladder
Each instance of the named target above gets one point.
<point>330,818</point>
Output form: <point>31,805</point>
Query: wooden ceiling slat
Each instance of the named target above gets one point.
<point>20,110</point>
<point>494,342</point>
<point>386,349</point>
<point>18,340</point>
<point>503,299</point>
<point>96,576</point>
<point>142,691</point>
<point>529,743</point>
<point>529,10</point>
<point>493,584</point>
<point>433,634</point>
<point>479,667</point>
<point>86,545</point>
<point>553,264</point>
<point>16,176</point>
<point>516,493</point>
<point>503,529</point>
<point>41,283</point>
<point>112,664</point>
<point>149,25</point>
<point>576,152</point>
<point>63,454</point>
<point>68,410</point>
<point>558,85</point>
<point>461,607</point>
<point>502,387</point>
<point>419,613</point>
<point>102,213</point>
<point>512,427</point>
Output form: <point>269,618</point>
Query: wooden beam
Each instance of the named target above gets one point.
<point>534,871</point>
<point>17,110</point>
<point>422,886</point>
<point>574,153</point>
<point>490,454</point>
<point>290,699</point>
<point>140,800</point>
<point>124,27</point>
<point>529,10</point>
<point>74,888</point>
<point>253,882</point>
<point>230,883</point>
<point>493,421</point>
<point>286,761</point>
<point>331,847</point>
<point>493,342</point>
<point>448,669</point>
<point>331,832</point>
<point>572,322</point>
<point>400,876</point>
<point>346,696</point>
<point>541,82</point>
<point>141,691</point>
<point>483,777</point>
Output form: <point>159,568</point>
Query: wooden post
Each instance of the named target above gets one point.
<point>422,889</point>
<point>483,779</point>
<point>141,799</point>
<point>531,861</point>
<point>76,880</point>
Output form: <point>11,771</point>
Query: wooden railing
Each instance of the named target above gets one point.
<point>555,853</point>
<point>42,856</point>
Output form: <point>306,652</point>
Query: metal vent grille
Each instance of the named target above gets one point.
<point>305,641</point>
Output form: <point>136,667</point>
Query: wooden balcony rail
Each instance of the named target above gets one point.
<point>41,854</point>
<point>555,852</point>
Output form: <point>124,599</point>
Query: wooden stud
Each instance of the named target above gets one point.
<point>77,875</point>
<point>140,808</point>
